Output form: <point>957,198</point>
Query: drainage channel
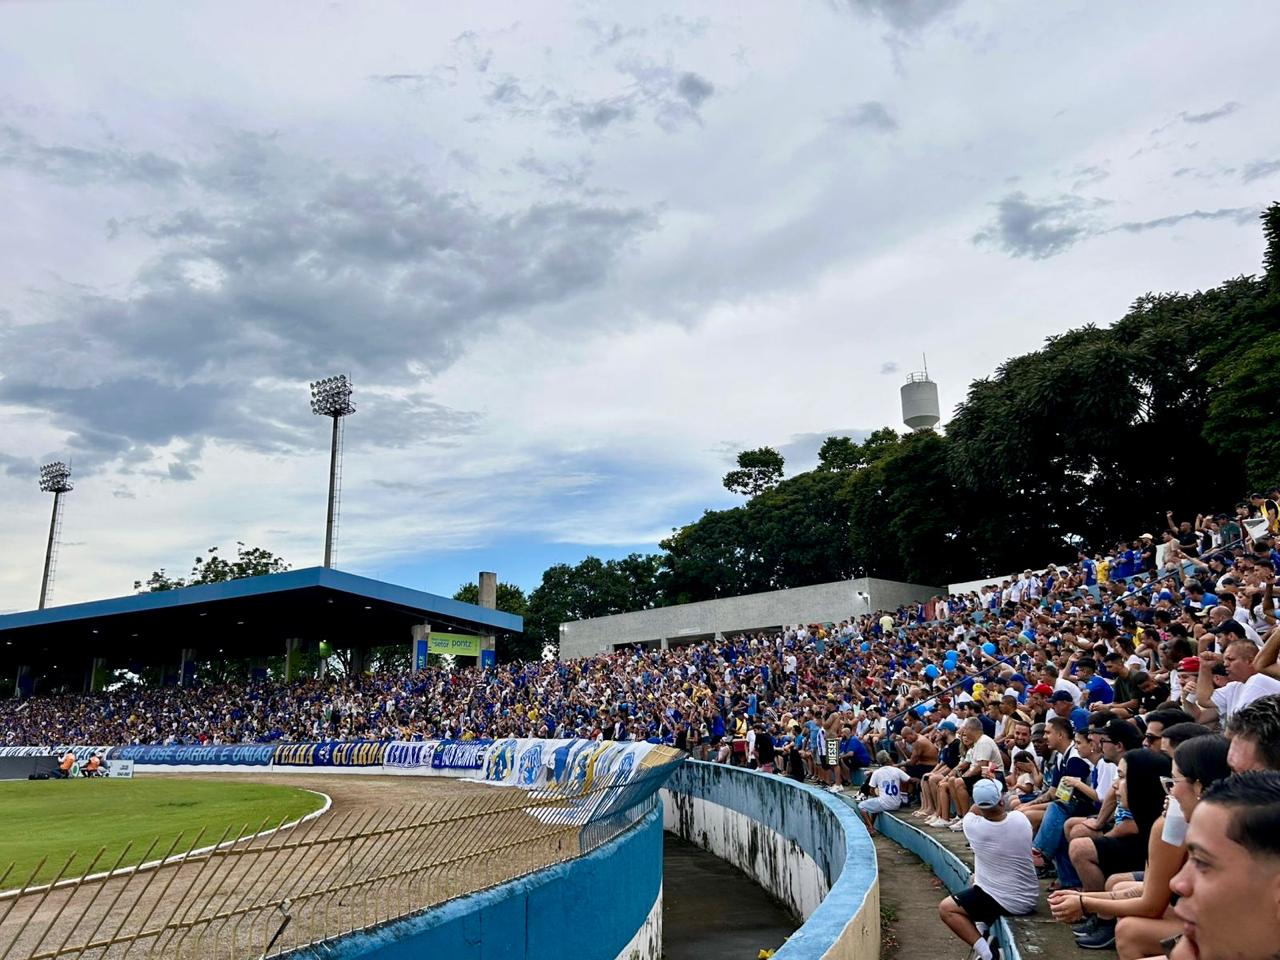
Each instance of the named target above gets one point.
<point>713,911</point>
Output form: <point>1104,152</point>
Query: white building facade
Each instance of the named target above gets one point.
<point>665,627</point>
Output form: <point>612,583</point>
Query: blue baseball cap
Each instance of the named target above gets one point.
<point>947,725</point>
<point>987,794</point>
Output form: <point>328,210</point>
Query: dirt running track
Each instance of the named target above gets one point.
<point>387,847</point>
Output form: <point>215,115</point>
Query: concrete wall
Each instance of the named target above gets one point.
<point>668,625</point>
<point>808,849</point>
<point>606,905</point>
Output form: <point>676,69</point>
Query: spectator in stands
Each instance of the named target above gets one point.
<point>1140,799</point>
<point>1229,889</point>
<point>1208,704</point>
<point>887,787</point>
<point>981,761</point>
<point>1140,905</point>
<point>1254,732</point>
<point>1004,880</point>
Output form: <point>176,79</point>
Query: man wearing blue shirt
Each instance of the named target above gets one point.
<point>1096,689</point>
<point>1062,705</point>
<point>1090,570</point>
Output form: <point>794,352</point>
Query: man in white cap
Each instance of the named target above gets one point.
<point>1004,877</point>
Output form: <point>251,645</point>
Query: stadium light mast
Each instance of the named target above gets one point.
<point>331,397</point>
<point>55,478</point>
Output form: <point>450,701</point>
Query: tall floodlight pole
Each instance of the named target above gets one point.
<point>55,478</point>
<point>331,397</point>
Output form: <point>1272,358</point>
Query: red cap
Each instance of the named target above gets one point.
<point>1189,665</point>
<point>1042,688</point>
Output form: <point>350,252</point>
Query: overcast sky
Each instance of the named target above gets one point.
<point>574,255</point>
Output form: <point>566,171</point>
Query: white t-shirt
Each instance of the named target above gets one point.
<point>888,785</point>
<point>984,750</point>
<point>1002,864</point>
<point>1236,695</point>
<point>1062,683</point>
<point>1106,777</point>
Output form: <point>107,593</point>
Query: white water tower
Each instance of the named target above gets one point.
<point>920,401</point>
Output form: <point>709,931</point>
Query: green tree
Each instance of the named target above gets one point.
<point>592,588</point>
<point>758,470</point>
<point>840,454</point>
<point>249,562</point>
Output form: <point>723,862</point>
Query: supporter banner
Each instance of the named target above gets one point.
<point>189,755</point>
<point>82,753</point>
<point>460,754</point>
<point>333,753</point>
<point>410,755</point>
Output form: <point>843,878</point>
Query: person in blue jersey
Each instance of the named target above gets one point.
<point>1089,569</point>
<point>1095,689</point>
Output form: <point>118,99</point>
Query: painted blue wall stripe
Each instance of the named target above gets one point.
<point>588,908</point>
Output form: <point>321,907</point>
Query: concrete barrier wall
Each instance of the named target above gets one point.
<point>606,905</point>
<point>808,849</point>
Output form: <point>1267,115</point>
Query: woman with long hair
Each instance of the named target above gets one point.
<point>1134,915</point>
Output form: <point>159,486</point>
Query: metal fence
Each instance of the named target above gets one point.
<point>244,893</point>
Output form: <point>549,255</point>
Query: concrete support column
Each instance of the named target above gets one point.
<point>488,600</point>
<point>359,657</point>
<point>187,667</point>
<point>292,659</point>
<point>25,683</point>
<point>420,647</point>
<point>664,643</point>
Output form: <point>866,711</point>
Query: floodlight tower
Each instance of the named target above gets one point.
<point>331,397</point>
<point>55,478</point>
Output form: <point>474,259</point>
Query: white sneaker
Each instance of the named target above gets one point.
<point>937,822</point>
<point>957,826</point>
<point>834,788</point>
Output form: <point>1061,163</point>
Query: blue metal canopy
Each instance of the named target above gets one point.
<point>276,583</point>
<point>238,618</point>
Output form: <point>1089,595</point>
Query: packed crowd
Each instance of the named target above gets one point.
<point>1068,721</point>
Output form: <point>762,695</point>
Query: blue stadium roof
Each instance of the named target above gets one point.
<point>308,577</point>
<point>240,618</point>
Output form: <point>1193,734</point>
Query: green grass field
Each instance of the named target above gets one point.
<point>52,818</point>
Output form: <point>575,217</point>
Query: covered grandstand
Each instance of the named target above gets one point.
<point>256,617</point>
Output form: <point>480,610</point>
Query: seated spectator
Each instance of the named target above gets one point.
<point>1004,880</point>
<point>1140,906</point>
<point>981,761</point>
<point>1139,803</point>
<point>1254,732</point>
<point>1229,888</point>
<point>1244,683</point>
<point>886,787</point>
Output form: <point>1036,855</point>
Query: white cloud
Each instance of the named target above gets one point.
<point>568,256</point>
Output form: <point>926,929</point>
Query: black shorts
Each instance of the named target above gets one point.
<point>917,770</point>
<point>970,781</point>
<point>1120,854</point>
<point>979,905</point>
